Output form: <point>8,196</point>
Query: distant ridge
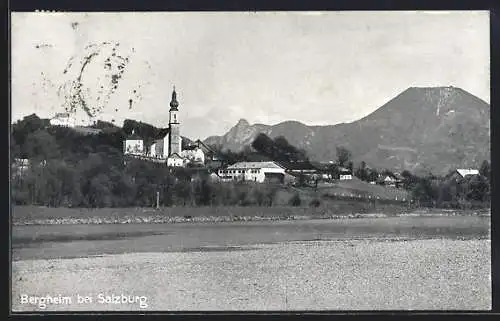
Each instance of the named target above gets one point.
<point>423,128</point>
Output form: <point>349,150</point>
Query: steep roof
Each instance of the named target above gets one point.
<point>133,137</point>
<point>254,165</point>
<point>162,133</point>
<point>297,166</point>
<point>61,115</point>
<point>469,171</point>
<point>175,155</point>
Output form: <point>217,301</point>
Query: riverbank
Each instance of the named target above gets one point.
<point>33,215</point>
<point>435,274</point>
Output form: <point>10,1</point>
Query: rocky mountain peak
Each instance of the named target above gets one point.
<point>439,128</point>
<point>242,123</point>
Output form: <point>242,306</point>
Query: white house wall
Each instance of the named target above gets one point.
<point>152,150</point>
<point>134,146</point>
<point>165,140</point>
<point>175,162</point>
<point>248,174</point>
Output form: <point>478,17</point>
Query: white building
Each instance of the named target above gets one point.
<point>253,171</point>
<point>345,177</point>
<point>467,172</point>
<point>194,155</point>
<point>133,145</point>
<point>345,174</point>
<point>175,160</point>
<point>63,119</point>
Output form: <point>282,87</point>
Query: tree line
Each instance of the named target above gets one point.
<point>70,169</point>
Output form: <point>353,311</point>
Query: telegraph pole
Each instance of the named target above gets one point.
<point>157,200</point>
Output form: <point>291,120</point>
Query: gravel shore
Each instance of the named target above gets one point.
<point>319,275</point>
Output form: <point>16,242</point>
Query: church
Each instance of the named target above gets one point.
<point>167,146</point>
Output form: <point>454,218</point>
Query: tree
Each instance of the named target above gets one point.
<point>333,170</point>
<point>295,200</point>
<point>183,191</point>
<point>15,150</point>
<point>263,144</point>
<point>302,180</point>
<point>372,175</point>
<point>259,196</point>
<point>485,169</point>
<point>425,190</point>
<point>361,172</point>
<point>343,156</point>
<point>478,189</point>
<point>40,145</point>
<point>271,194</point>
<point>409,180</point>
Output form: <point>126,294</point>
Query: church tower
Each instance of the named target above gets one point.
<point>173,122</point>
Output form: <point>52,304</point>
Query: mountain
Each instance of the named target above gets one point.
<point>433,129</point>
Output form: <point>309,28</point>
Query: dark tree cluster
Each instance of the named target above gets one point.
<point>278,149</point>
<point>69,169</point>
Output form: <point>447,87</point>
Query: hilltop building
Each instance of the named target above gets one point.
<point>63,119</point>
<point>133,145</point>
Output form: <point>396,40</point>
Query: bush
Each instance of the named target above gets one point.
<point>295,200</point>
<point>315,202</point>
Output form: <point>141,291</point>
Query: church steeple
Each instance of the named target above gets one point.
<point>175,140</point>
<point>174,103</point>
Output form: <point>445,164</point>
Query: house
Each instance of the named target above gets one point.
<point>259,172</point>
<point>133,144</point>
<point>176,160</point>
<point>214,177</point>
<point>466,172</point>
<point>389,181</point>
<point>194,154</point>
<point>460,174</point>
<point>345,174</point>
<point>63,119</point>
<point>19,166</point>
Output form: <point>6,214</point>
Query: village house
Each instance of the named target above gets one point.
<point>20,166</point>
<point>259,172</point>
<point>391,180</point>
<point>176,160</point>
<point>133,145</point>
<point>63,119</point>
<point>460,174</point>
<point>345,174</point>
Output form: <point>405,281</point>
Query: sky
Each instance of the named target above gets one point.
<point>319,68</point>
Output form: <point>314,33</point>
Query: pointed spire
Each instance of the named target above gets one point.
<point>174,103</point>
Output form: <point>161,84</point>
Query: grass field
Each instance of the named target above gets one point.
<point>360,188</point>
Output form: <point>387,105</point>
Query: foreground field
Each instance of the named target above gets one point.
<point>336,275</point>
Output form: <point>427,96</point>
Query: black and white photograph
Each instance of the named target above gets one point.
<point>250,161</point>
